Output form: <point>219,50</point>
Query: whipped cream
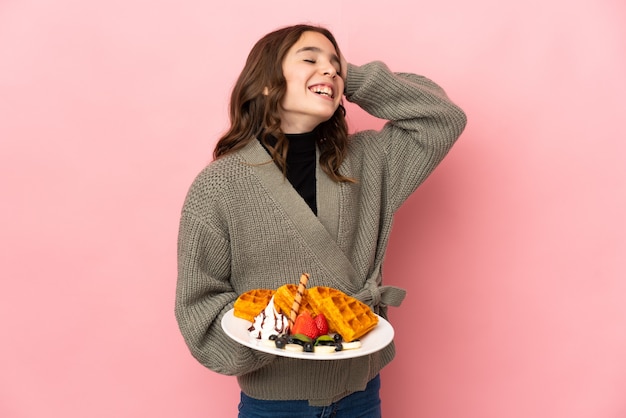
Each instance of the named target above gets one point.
<point>268,322</point>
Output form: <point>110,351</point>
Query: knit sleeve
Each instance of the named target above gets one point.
<point>423,124</point>
<point>204,294</point>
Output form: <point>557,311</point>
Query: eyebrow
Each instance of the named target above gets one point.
<point>333,57</point>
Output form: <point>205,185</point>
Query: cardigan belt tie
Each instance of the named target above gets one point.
<point>374,295</point>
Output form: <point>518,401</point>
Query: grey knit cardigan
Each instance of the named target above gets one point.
<point>243,226</point>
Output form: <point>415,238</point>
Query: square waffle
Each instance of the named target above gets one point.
<point>284,296</point>
<point>251,303</point>
<point>345,315</point>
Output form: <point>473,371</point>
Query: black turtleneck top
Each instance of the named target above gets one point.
<point>301,158</point>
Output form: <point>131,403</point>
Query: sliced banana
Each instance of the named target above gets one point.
<point>352,345</point>
<point>324,349</point>
<point>269,343</point>
<point>294,347</point>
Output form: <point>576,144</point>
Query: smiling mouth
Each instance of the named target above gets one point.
<point>322,91</point>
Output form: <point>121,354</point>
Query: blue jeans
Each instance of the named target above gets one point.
<point>365,404</point>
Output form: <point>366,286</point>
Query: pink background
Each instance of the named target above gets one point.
<point>513,252</point>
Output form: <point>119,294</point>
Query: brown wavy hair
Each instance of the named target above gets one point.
<point>256,98</point>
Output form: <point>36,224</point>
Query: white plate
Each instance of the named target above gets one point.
<point>375,340</point>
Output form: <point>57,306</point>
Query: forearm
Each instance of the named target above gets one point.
<point>411,101</point>
<point>423,125</point>
<point>203,295</point>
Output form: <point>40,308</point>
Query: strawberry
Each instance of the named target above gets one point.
<point>321,323</point>
<point>305,325</point>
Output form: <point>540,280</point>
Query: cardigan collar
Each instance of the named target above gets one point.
<point>321,232</point>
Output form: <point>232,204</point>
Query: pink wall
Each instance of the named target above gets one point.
<point>512,252</point>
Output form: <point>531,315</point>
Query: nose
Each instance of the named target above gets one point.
<point>328,69</point>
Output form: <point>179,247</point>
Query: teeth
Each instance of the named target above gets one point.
<point>325,90</point>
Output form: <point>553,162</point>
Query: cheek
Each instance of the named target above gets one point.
<point>292,84</point>
<point>342,89</point>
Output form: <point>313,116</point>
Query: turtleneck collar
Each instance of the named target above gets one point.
<point>302,143</point>
<point>301,165</point>
<point>298,143</point>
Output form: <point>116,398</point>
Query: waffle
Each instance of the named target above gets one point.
<point>284,296</point>
<point>346,315</point>
<point>251,303</point>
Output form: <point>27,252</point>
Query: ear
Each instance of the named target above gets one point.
<point>266,91</point>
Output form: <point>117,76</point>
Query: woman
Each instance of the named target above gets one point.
<point>290,192</point>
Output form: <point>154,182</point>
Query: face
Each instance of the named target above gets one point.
<point>314,86</point>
